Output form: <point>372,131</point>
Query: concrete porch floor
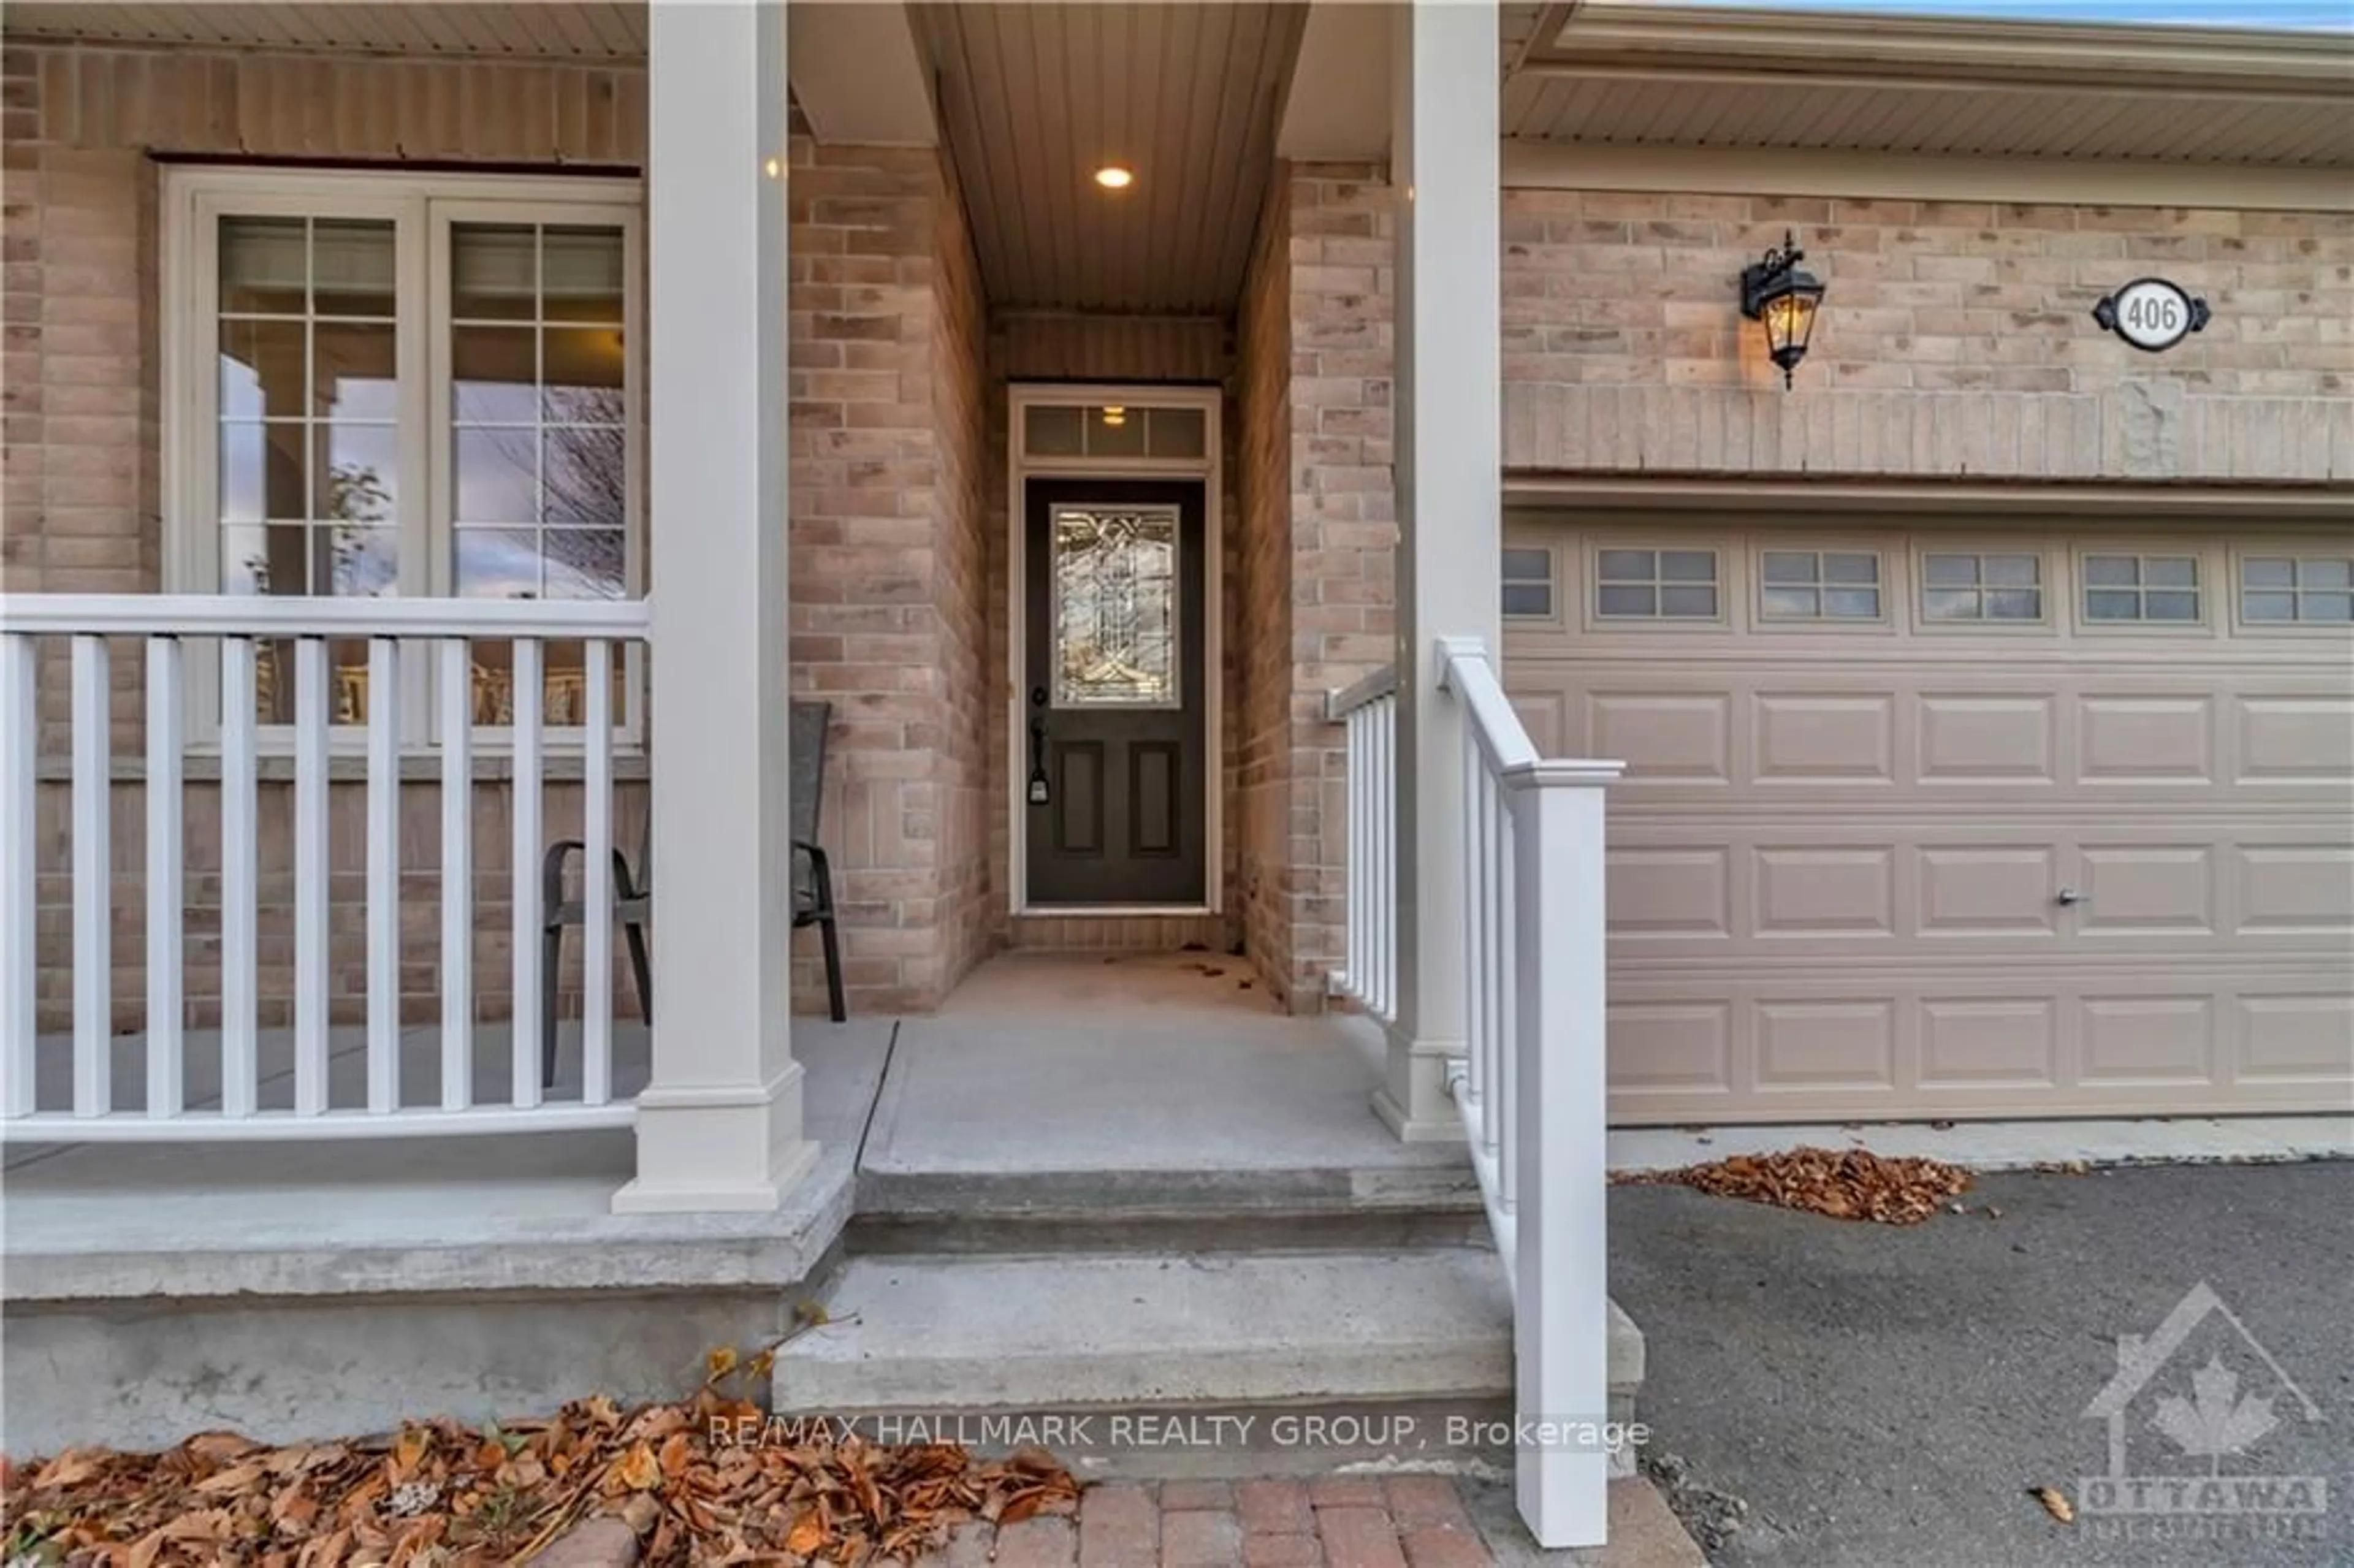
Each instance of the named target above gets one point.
<point>1063,1080</point>
<point>307,1288</point>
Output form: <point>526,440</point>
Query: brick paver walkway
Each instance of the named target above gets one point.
<point>1397,1522</point>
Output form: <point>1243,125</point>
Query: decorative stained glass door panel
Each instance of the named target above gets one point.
<point>1113,693</point>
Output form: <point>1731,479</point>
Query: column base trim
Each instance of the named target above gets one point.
<point>792,1167</point>
<point>1439,1129</point>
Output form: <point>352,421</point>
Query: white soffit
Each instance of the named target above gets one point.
<point>1340,102</point>
<point>858,77</point>
<point>1034,98</point>
<point>1615,74</point>
<point>548,31</point>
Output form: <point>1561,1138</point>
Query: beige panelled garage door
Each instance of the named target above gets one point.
<point>1957,819</point>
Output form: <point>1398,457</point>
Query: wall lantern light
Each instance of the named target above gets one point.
<point>1775,291</point>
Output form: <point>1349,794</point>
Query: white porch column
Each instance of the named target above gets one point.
<point>720,1125</point>
<point>1444,167</point>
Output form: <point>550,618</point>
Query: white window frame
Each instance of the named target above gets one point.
<point>1884,585</point>
<point>1725,582</point>
<point>1550,582</point>
<point>2082,588</point>
<point>2297,551</point>
<point>421,206</point>
<point>2049,582</point>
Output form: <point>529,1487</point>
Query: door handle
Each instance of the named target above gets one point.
<point>1037,762</point>
<point>2067,897</point>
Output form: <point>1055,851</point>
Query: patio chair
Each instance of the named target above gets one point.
<point>633,888</point>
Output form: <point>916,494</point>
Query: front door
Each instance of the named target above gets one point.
<point>1113,693</point>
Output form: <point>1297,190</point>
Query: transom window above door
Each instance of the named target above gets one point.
<point>1121,429</point>
<point>386,385</point>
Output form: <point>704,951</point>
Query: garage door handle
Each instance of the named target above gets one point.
<point>2068,897</point>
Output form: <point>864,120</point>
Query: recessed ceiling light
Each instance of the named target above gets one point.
<point>1115,176</point>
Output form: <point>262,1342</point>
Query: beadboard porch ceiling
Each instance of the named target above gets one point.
<point>1034,98</point>
<point>585,30</point>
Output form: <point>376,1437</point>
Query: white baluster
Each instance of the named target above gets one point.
<point>241,901</point>
<point>384,875</point>
<point>1477,1080</point>
<point>94,872</point>
<point>457,874</point>
<point>524,853</point>
<point>167,860</point>
<point>597,880</point>
<point>1360,867</point>
<point>20,739</point>
<point>310,871</point>
<point>1503,962</point>
<point>1384,904</point>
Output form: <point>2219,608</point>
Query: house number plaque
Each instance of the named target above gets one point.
<point>2152,314</point>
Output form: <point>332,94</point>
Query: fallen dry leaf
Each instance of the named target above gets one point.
<point>2055,1503</point>
<point>802,1492</point>
<point>1846,1184</point>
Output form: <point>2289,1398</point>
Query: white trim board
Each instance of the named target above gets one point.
<point>2316,505</point>
<point>1209,469</point>
<point>1896,176</point>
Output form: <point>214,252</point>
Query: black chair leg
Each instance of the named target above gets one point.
<point>551,960</point>
<point>644,970</point>
<point>832,969</point>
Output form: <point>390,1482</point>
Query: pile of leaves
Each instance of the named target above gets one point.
<point>439,1493</point>
<point>1845,1183</point>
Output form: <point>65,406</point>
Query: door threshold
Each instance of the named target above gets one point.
<point>1107,911</point>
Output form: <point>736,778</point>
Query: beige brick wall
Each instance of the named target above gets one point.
<point>1263,604</point>
<point>960,421</point>
<point>885,565</point>
<point>1319,555</point>
<point>1956,341</point>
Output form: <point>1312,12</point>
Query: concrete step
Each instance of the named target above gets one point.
<point>1415,1336</point>
<point>1166,1212</point>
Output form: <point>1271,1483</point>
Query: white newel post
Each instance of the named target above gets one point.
<point>1561,1325</point>
<point>720,1127</point>
<point>1449,455</point>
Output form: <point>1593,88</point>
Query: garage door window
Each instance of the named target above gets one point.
<point>1819,585</point>
<point>1655,585</point>
<point>1997,586</point>
<point>2313,589</point>
<point>1528,583</point>
<point>2141,588</point>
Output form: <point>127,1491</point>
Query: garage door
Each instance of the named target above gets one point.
<point>1970,817</point>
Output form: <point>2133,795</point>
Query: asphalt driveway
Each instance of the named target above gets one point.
<point>1861,1394</point>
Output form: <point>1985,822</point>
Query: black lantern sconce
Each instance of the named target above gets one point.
<point>1775,291</point>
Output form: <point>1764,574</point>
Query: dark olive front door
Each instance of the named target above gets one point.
<point>1113,692</point>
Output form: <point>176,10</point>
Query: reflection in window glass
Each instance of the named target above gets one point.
<point>2133,589</point>
<point>1662,585</point>
<point>1984,587</point>
<point>1819,585</point>
<point>1528,582</point>
<point>2312,590</point>
<point>1051,432</point>
<point>539,437</point>
<point>307,424</point>
<point>1114,581</point>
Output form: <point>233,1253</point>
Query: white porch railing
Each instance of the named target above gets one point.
<point>1529,1082</point>
<point>434,644</point>
<point>1369,710</point>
